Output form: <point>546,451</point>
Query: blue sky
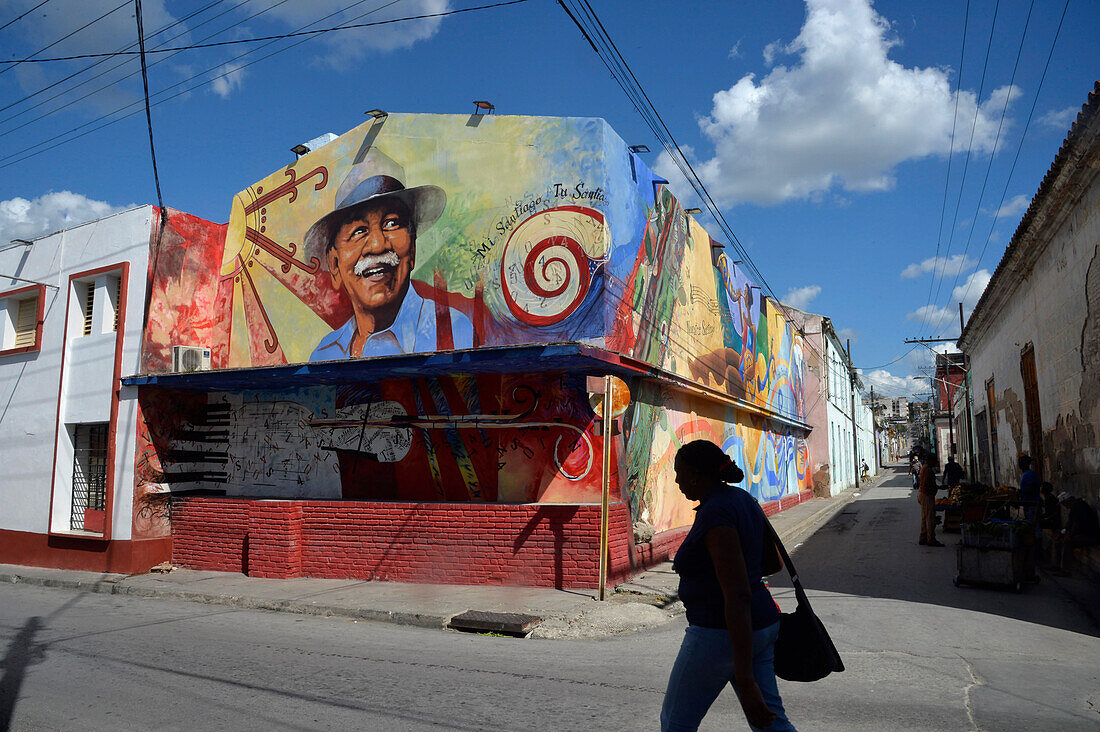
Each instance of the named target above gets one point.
<point>822,128</point>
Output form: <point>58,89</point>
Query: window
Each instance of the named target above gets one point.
<point>26,322</point>
<point>21,319</point>
<point>116,301</point>
<point>89,477</point>
<point>97,303</point>
<point>87,305</point>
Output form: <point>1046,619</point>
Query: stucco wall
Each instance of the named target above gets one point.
<point>31,382</point>
<point>1056,307</point>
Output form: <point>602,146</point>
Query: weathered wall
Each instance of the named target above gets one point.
<point>1057,309</point>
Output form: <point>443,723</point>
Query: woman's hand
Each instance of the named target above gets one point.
<point>752,703</point>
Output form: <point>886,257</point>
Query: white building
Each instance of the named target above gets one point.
<point>1034,337</point>
<point>829,392</point>
<point>71,307</point>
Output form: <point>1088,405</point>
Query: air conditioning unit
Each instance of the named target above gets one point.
<point>190,358</point>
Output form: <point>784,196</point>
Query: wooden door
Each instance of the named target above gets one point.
<point>1031,406</point>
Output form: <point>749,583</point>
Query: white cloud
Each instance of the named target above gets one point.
<point>886,384</point>
<point>61,17</point>
<point>735,52</point>
<point>1015,207</point>
<point>841,115</point>
<point>1060,119</point>
<point>346,47</point>
<point>115,31</point>
<point>968,293</point>
<point>230,78</point>
<point>951,266</point>
<point>846,334</point>
<point>801,297</point>
<point>23,219</point>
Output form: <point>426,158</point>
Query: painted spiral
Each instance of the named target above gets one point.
<point>546,269</point>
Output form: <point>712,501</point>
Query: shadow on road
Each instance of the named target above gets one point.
<point>22,652</point>
<point>870,550</point>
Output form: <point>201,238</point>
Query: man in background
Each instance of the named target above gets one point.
<point>926,494</point>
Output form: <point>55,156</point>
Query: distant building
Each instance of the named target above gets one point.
<point>948,387</point>
<point>1034,336</point>
<point>830,383</point>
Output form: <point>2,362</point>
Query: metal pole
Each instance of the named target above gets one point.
<point>855,436</point>
<point>608,388</point>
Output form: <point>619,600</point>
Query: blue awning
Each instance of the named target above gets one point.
<point>576,357</point>
<point>579,358</point>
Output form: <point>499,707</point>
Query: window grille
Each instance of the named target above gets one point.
<point>118,302</point>
<point>89,302</point>
<point>89,472</point>
<point>26,322</point>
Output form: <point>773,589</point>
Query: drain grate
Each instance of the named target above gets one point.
<point>481,621</point>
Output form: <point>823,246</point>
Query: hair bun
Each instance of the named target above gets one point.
<point>730,473</point>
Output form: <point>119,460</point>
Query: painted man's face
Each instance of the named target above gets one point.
<point>373,254</point>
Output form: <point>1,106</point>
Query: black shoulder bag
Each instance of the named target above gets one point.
<point>803,651</point>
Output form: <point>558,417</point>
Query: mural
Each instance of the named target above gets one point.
<point>423,233</point>
<point>410,241</point>
<point>183,291</point>
<point>490,438</point>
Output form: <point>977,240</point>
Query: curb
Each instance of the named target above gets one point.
<point>112,587</point>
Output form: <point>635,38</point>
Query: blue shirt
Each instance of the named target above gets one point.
<point>413,331</point>
<point>1029,486</point>
<point>700,591</point>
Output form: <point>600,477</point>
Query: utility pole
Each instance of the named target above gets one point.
<point>855,437</point>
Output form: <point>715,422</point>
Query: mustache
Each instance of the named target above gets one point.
<point>371,261</point>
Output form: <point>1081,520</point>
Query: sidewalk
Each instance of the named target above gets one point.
<point>647,601</point>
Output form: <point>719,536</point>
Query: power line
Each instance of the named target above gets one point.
<point>1023,136</point>
<point>70,102</point>
<point>950,156</point>
<point>996,144</point>
<point>277,37</point>
<point>656,123</point>
<point>28,150</point>
<point>92,66</point>
<point>969,149</point>
<point>23,14</point>
<point>12,64</point>
<point>148,112</point>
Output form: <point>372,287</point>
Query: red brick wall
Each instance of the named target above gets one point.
<point>444,543</point>
<point>452,543</point>
<point>773,507</point>
<point>210,533</point>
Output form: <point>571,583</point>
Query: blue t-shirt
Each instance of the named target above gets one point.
<point>699,589</point>
<point>1029,486</point>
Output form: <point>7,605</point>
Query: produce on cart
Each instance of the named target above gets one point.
<point>968,502</point>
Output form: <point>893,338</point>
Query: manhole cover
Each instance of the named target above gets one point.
<point>482,621</point>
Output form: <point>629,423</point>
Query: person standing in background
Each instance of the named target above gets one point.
<point>926,494</point>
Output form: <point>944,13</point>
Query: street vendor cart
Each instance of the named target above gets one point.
<point>996,554</point>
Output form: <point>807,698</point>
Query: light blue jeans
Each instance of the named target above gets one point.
<point>705,665</point>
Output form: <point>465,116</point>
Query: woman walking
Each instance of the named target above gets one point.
<point>732,620</point>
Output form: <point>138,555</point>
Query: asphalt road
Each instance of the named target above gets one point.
<point>921,655</point>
